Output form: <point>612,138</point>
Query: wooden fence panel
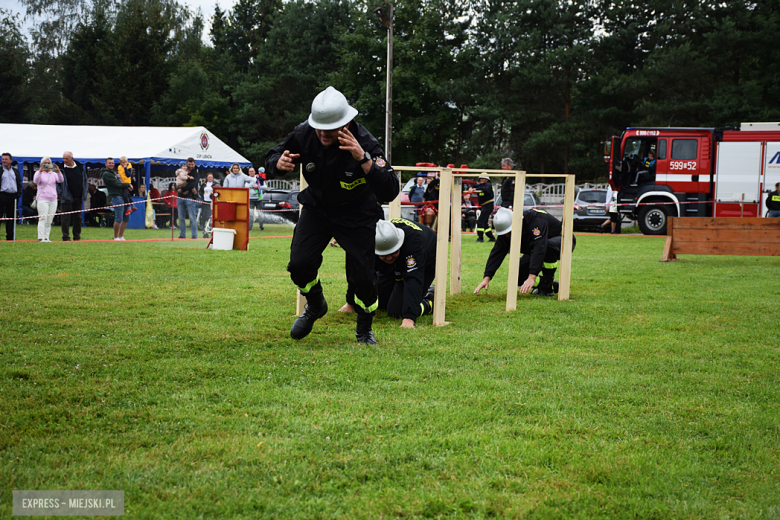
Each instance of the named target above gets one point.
<point>722,236</point>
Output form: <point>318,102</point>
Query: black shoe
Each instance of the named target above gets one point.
<point>480,240</point>
<point>66,239</point>
<point>431,292</point>
<point>363,332</point>
<point>492,239</point>
<point>316,308</point>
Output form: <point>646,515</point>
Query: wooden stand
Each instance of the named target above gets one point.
<point>721,236</point>
<point>231,211</point>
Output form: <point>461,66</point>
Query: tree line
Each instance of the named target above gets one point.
<point>544,82</point>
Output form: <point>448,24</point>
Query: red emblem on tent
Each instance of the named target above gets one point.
<point>204,141</point>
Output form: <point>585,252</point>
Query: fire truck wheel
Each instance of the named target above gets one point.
<point>652,220</point>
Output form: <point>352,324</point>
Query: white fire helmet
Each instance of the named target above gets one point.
<point>330,110</point>
<point>388,238</point>
<point>502,221</point>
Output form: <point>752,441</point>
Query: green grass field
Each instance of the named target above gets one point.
<point>166,370</point>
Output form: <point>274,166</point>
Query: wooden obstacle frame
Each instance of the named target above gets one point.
<point>451,189</point>
<point>721,236</point>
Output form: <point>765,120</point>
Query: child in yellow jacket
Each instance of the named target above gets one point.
<point>125,173</point>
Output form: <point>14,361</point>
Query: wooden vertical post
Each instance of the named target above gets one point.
<point>394,208</point>
<point>442,243</point>
<point>568,233</point>
<point>300,300</point>
<point>455,258</point>
<point>514,244</point>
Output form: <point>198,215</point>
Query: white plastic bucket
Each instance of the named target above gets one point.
<point>223,239</point>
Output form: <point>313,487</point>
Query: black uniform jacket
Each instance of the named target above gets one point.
<point>335,178</point>
<point>538,227</point>
<point>508,192</point>
<point>418,254</point>
<point>432,191</point>
<point>484,193</point>
<point>773,200</point>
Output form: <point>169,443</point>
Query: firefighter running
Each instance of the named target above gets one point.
<point>484,191</point>
<point>540,246</point>
<point>346,170</point>
<point>406,267</point>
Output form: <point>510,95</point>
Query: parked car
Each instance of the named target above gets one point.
<point>590,208</point>
<point>283,203</point>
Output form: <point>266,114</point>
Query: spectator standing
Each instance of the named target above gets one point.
<point>416,195</point>
<point>125,171</point>
<point>115,189</point>
<point>254,196</point>
<point>28,197</point>
<point>432,194</point>
<point>46,178</point>
<point>508,186</point>
<point>261,191</point>
<point>188,201</point>
<point>157,204</point>
<point>10,191</point>
<point>613,223</point>
<point>773,202</point>
<point>206,192</point>
<point>72,191</point>
<point>235,178</point>
<point>171,203</point>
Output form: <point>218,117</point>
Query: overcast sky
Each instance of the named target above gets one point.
<point>206,6</point>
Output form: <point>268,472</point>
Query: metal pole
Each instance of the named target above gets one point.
<point>389,99</point>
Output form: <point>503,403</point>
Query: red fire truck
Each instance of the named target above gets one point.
<point>697,172</point>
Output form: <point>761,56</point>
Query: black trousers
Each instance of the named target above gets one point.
<point>551,258</point>
<point>354,228</point>
<point>484,216</point>
<point>73,218</point>
<point>7,205</point>
<point>391,291</point>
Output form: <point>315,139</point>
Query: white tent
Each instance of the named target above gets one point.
<point>140,144</point>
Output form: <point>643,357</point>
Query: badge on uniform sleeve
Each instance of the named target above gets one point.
<point>310,167</point>
<point>536,232</point>
<point>381,162</point>
<point>411,262</point>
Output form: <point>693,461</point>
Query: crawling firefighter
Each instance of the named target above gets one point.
<point>540,246</point>
<point>406,267</point>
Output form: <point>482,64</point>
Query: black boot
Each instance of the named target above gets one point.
<point>479,236</point>
<point>427,303</point>
<point>316,308</point>
<point>546,287</point>
<point>363,331</point>
<point>490,236</point>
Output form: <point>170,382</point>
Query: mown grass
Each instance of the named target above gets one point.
<point>166,370</point>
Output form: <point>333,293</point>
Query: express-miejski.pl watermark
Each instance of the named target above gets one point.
<point>69,503</point>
